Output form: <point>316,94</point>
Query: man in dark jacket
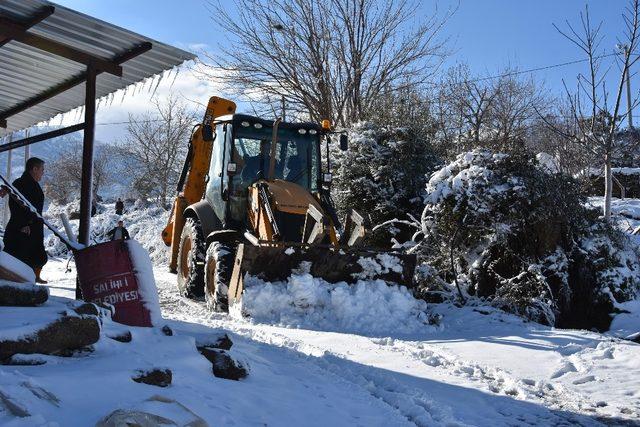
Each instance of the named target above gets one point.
<point>119,206</point>
<point>24,235</point>
<point>119,232</point>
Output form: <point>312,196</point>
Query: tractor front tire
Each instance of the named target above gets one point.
<point>218,269</point>
<point>191,260</point>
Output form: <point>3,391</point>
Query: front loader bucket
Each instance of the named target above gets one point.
<point>278,262</point>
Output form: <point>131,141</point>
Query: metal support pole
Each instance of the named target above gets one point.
<point>41,137</point>
<point>5,212</point>
<point>87,156</point>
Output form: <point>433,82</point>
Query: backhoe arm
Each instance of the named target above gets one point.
<point>192,181</point>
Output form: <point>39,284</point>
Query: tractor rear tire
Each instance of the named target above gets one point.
<point>218,269</point>
<point>191,260</point>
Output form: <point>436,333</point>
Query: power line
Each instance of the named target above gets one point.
<point>476,80</point>
<point>533,70</point>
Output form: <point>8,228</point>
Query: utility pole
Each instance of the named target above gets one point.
<point>629,100</point>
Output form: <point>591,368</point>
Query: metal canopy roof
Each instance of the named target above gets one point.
<point>29,74</point>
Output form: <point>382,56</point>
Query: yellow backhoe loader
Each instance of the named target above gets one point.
<point>254,198</point>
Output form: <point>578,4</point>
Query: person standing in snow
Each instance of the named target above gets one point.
<point>119,206</point>
<point>119,232</point>
<point>24,235</point>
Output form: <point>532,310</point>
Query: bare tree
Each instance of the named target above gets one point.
<point>568,157</point>
<point>495,113</point>
<point>595,110</point>
<point>155,146</point>
<point>514,109</point>
<point>330,59</point>
<point>64,173</point>
<point>464,108</point>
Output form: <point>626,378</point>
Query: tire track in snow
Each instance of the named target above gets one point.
<point>575,407</point>
<point>496,380</point>
<point>418,407</point>
<point>412,404</point>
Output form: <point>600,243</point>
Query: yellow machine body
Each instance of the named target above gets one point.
<point>194,184</point>
<point>282,224</point>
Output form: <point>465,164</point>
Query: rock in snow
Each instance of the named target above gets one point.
<point>160,377</point>
<point>22,294</point>
<point>223,365</point>
<point>155,411</point>
<point>62,334</point>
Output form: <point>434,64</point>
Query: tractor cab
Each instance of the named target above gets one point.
<point>242,155</point>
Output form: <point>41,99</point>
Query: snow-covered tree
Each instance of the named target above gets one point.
<point>383,173</point>
<point>155,146</point>
<point>504,229</point>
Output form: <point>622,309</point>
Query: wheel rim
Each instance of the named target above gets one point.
<point>210,276</point>
<point>185,260</point>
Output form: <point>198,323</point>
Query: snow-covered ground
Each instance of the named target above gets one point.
<point>476,366</point>
<point>626,213</point>
<point>334,355</point>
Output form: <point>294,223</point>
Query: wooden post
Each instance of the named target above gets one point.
<point>87,156</point>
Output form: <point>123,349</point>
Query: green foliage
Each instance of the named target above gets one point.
<point>383,174</point>
<point>524,239</point>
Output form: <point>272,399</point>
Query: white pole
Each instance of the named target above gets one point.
<point>67,227</point>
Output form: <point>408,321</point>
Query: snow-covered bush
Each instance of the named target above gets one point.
<point>383,173</point>
<point>508,231</point>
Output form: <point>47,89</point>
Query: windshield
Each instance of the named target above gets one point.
<point>296,154</point>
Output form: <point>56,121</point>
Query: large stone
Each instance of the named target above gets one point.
<point>120,336</point>
<point>223,365</point>
<point>156,376</point>
<point>24,295</point>
<point>221,341</point>
<point>142,415</point>
<point>63,334</point>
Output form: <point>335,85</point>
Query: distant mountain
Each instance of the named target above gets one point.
<point>49,150</point>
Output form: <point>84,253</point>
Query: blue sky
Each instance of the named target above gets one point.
<point>486,34</point>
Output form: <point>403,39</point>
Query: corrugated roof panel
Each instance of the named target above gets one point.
<point>26,71</point>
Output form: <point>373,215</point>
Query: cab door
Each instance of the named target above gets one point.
<point>218,184</point>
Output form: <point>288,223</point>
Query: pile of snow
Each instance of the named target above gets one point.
<point>13,266</point>
<point>82,389</point>
<point>143,270</point>
<point>303,301</point>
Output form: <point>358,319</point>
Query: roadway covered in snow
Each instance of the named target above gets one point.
<point>412,365</point>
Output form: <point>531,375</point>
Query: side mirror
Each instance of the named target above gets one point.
<point>344,142</point>
<point>207,132</point>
